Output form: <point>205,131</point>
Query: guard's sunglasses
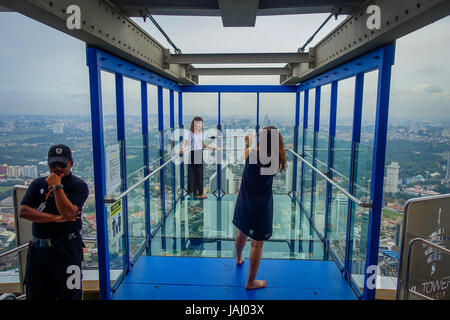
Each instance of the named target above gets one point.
<point>62,165</point>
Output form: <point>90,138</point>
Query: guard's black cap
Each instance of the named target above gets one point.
<point>59,153</point>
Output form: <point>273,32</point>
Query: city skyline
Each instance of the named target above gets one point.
<point>30,88</point>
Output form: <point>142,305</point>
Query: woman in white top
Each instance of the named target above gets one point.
<point>195,163</point>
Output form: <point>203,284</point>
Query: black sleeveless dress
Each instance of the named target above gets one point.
<point>253,214</point>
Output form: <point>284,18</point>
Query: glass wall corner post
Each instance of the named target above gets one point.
<point>314,155</point>
<point>161,152</point>
<point>99,172</point>
<point>332,134</point>
<point>379,157</point>
<point>181,126</point>
<point>120,111</point>
<point>172,142</point>
<point>144,114</point>
<point>219,153</point>
<point>305,127</point>
<point>356,137</point>
<point>294,160</point>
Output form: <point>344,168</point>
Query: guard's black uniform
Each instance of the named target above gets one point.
<point>56,245</point>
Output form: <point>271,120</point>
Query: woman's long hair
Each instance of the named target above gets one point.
<point>268,144</point>
<point>193,122</point>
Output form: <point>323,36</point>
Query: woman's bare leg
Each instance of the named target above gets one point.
<point>255,259</point>
<point>239,244</point>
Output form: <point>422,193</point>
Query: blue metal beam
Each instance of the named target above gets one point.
<point>356,135</point>
<point>144,117</point>
<point>296,123</point>
<point>314,154</point>
<point>238,88</point>
<point>172,128</point>
<point>99,172</point>
<point>332,134</point>
<point>161,151</point>
<point>368,62</point>
<point>219,153</point>
<point>305,126</point>
<point>120,114</point>
<point>111,63</point>
<point>181,126</point>
<point>379,157</point>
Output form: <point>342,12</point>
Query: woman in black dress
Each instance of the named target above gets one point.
<point>253,214</point>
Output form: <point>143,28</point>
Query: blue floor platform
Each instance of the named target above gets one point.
<point>186,278</point>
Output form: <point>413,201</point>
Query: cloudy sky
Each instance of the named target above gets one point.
<point>43,71</point>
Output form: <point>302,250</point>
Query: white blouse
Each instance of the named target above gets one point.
<point>196,140</point>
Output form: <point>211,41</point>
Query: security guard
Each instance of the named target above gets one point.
<point>54,205</point>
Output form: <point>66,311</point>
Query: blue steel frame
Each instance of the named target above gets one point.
<point>144,111</point>
<point>172,129</point>
<point>219,154</point>
<point>97,61</point>
<point>120,114</point>
<point>381,59</point>
<point>181,126</point>
<point>332,134</point>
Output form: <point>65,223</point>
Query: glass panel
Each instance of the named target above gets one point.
<point>278,110</point>
<point>238,118</point>
<point>133,131</point>
<point>168,170</point>
<point>342,150</point>
<point>204,228</point>
<point>321,160</point>
<point>300,144</point>
<point>154,158</point>
<point>307,172</point>
<point>136,219</point>
<point>116,248</point>
<point>176,141</point>
<point>337,224</point>
<point>363,166</point>
<point>155,199</point>
<point>360,218</point>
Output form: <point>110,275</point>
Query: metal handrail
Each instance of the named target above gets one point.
<point>334,184</point>
<point>406,280</point>
<point>25,246</point>
<point>137,184</point>
<point>16,249</point>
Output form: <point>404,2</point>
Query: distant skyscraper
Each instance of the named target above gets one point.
<point>30,172</point>
<point>447,174</point>
<point>58,128</point>
<point>339,216</point>
<point>392,177</point>
<point>14,171</point>
<point>227,180</point>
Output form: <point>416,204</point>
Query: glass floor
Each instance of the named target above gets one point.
<point>204,228</point>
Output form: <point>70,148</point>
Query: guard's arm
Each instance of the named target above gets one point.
<point>64,206</point>
<point>34,215</point>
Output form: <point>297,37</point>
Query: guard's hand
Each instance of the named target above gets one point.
<point>181,152</point>
<point>53,180</point>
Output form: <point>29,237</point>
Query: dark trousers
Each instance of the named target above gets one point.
<point>195,174</point>
<point>51,272</point>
